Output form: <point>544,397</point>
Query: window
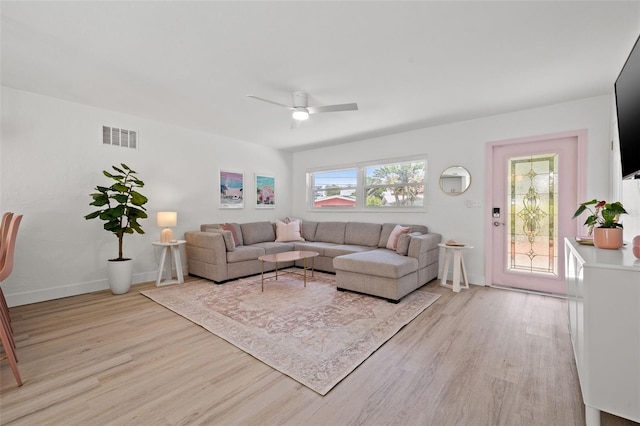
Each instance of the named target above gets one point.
<point>399,184</point>
<point>334,188</point>
<point>395,184</point>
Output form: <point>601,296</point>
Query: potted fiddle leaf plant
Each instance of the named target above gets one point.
<point>603,222</point>
<point>120,206</point>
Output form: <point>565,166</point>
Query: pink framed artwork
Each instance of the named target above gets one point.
<point>265,191</point>
<point>231,190</point>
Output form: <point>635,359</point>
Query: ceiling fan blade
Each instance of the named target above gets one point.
<point>268,101</point>
<point>333,108</point>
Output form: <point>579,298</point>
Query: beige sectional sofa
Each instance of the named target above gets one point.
<point>355,251</point>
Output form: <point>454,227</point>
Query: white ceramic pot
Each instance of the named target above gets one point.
<point>607,238</point>
<point>120,274</point>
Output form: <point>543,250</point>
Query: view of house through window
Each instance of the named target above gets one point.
<point>398,184</point>
<point>334,188</point>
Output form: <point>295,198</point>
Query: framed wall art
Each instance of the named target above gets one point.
<point>265,191</point>
<point>231,190</point>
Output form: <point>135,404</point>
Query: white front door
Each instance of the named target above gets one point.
<point>534,187</point>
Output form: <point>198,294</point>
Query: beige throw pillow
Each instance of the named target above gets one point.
<point>286,232</point>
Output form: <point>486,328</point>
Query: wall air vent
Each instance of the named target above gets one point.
<point>119,137</point>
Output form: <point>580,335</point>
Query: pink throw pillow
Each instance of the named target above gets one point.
<point>392,242</point>
<point>230,227</point>
<point>288,231</point>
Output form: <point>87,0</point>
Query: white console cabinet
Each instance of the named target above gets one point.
<point>603,295</point>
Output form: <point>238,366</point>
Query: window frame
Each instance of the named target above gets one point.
<point>361,186</point>
<point>311,188</point>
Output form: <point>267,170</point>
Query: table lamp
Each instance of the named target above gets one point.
<point>167,219</point>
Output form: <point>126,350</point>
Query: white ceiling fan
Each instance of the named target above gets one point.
<point>301,109</point>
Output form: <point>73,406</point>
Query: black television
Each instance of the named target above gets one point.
<point>627,89</point>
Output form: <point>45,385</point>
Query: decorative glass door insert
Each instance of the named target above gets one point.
<point>532,231</point>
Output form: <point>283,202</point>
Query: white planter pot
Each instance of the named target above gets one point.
<point>120,274</point>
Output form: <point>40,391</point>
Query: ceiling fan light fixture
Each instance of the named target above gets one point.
<point>301,108</point>
<point>300,113</point>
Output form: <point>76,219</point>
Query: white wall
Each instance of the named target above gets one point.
<point>51,159</point>
<point>463,144</point>
<point>631,201</point>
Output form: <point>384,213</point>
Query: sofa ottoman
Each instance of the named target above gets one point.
<point>380,272</point>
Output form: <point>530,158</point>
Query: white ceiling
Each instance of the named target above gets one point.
<point>407,64</point>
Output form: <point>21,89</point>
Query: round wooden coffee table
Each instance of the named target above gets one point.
<point>288,256</point>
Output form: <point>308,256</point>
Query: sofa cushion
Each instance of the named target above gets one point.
<point>288,231</point>
<point>243,253</point>
<point>339,250</point>
<point>403,244</point>
<point>392,242</point>
<point>330,232</point>
<point>318,247</point>
<point>309,230</point>
<point>272,248</point>
<point>257,232</point>
<point>379,262</point>
<point>362,234</point>
<point>226,235</point>
<point>404,241</point>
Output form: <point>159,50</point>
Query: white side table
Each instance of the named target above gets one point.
<point>458,266</point>
<point>174,252</point>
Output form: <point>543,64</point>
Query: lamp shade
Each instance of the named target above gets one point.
<point>167,218</point>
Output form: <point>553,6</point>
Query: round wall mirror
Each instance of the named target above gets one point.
<point>455,180</point>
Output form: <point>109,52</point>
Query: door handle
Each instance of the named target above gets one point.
<point>496,223</point>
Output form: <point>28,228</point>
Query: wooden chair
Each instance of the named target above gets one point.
<point>4,232</point>
<point>8,249</point>
<point>6,267</point>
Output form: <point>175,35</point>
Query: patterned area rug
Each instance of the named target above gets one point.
<point>315,334</point>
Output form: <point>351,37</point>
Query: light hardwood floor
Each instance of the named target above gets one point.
<point>480,357</point>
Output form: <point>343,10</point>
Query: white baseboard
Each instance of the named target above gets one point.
<point>41,295</point>
<point>473,280</point>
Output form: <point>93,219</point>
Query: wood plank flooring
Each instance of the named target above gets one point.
<point>480,357</point>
